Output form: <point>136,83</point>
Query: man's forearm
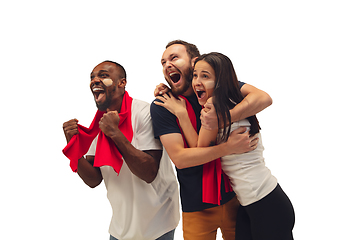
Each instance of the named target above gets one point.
<point>191,157</point>
<point>255,100</point>
<point>238,142</point>
<point>88,173</point>
<point>144,165</point>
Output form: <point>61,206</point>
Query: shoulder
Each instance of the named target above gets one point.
<point>156,108</point>
<point>142,126</point>
<point>140,106</point>
<point>140,115</point>
<point>140,112</point>
<point>159,112</point>
<point>164,122</point>
<point>241,84</point>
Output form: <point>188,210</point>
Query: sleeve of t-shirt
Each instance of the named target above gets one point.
<point>164,122</point>
<point>241,84</point>
<point>92,149</point>
<point>143,138</point>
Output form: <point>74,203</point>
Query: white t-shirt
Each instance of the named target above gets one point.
<point>141,210</point>
<point>250,179</point>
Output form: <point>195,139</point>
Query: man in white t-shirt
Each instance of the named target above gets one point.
<point>144,195</point>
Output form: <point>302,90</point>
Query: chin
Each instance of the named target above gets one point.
<point>177,91</point>
<point>202,103</point>
<point>102,107</point>
<point>181,89</point>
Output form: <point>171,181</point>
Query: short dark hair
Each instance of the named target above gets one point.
<point>122,69</point>
<point>191,49</point>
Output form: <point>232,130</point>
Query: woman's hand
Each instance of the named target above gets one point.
<point>208,116</point>
<point>161,89</point>
<point>176,106</point>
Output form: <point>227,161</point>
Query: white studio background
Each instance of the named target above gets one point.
<point>305,54</point>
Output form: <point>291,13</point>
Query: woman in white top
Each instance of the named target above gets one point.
<point>266,211</point>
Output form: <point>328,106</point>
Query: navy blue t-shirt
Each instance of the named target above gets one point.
<point>190,179</point>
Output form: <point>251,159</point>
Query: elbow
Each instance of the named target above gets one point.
<point>267,100</point>
<point>179,164</point>
<point>93,184</point>
<point>149,180</point>
<point>151,176</point>
<point>181,158</point>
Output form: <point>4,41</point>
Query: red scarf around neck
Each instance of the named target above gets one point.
<point>106,150</point>
<point>212,172</point>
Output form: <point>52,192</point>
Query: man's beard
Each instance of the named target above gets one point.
<point>187,75</point>
<point>105,105</point>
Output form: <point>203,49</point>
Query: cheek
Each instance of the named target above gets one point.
<point>107,82</point>
<point>179,63</point>
<point>209,85</point>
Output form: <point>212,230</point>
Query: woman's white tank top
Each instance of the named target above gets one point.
<point>250,179</point>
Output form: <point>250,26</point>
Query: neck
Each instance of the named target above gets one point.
<point>116,104</point>
<point>188,92</point>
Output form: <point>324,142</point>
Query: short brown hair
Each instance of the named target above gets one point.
<point>191,49</point>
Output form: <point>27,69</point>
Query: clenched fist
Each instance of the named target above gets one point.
<point>109,123</point>
<point>70,129</point>
<point>208,116</point>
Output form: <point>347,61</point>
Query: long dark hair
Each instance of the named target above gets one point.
<point>226,92</point>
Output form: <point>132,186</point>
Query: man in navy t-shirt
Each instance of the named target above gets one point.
<point>201,220</point>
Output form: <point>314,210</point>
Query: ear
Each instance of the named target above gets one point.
<point>193,61</point>
<point>122,83</point>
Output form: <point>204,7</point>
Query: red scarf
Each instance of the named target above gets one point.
<point>212,172</point>
<point>106,150</point>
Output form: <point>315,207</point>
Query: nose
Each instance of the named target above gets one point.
<point>196,80</point>
<point>167,64</point>
<point>95,80</point>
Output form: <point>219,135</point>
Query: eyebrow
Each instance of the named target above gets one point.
<point>101,71</point>
<point>170,56</point>
<point>203,71</point>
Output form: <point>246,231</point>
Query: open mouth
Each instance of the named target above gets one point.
<point>99,93</point>
<point>200,94</point>
<point>175,77</point>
